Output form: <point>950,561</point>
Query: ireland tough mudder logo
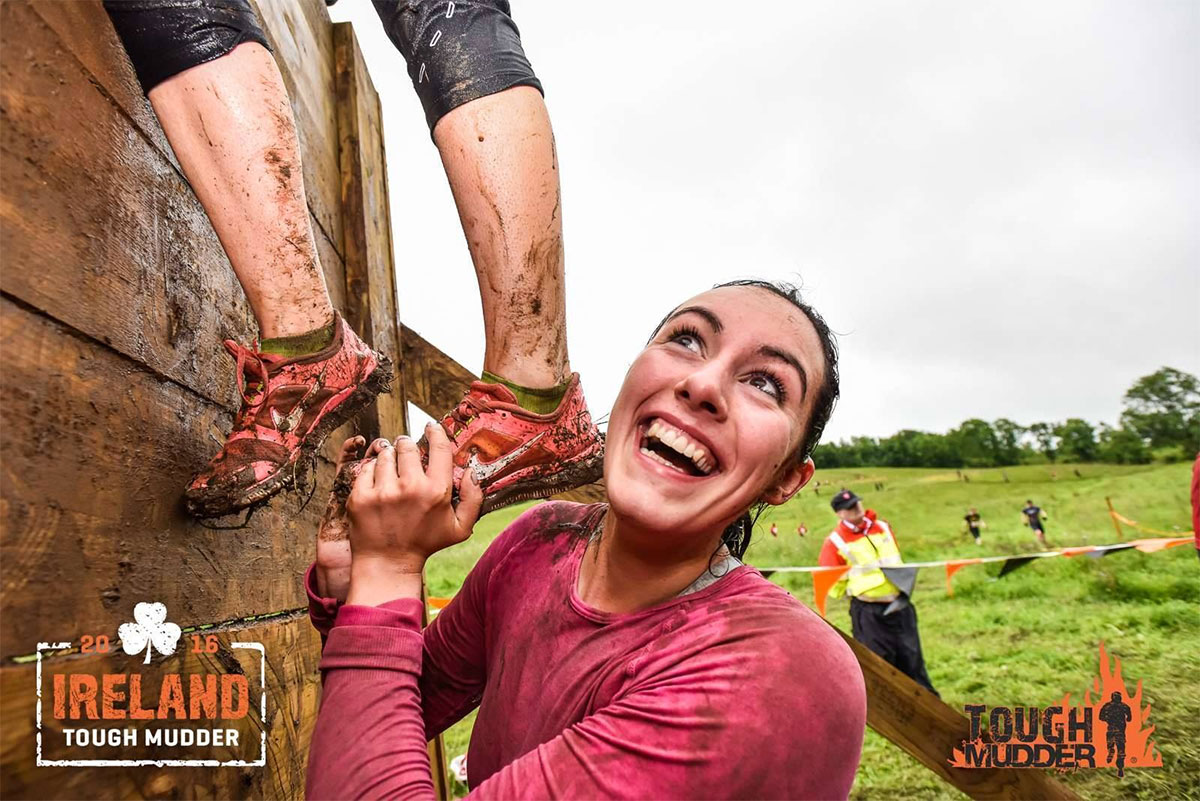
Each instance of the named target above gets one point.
<point>166,697</point>
<point>1110,729</point>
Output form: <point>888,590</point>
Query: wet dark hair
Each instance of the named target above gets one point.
<point>737,536</point>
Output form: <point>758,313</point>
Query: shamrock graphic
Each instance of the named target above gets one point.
<point>149,632</point>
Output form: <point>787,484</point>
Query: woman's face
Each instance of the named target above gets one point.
<point>711,412</point>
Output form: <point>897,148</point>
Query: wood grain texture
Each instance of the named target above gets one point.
<point>96,451</point>
<point>370,271</point>
<point>928,729</point>
<point>433,381</point>
<point>292,686</point>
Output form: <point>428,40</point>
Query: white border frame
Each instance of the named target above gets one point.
<point>159,763</point>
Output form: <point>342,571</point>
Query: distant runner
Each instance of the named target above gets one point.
<point>975,524</point>
<point>1033,518</point>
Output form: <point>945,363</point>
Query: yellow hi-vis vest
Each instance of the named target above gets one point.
<point>865,556</point>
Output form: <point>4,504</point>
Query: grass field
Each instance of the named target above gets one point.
<point>1025,639</point>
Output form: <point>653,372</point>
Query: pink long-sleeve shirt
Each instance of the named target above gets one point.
<point>733,691</point>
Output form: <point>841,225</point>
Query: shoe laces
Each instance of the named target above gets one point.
<point>249,360</point>
<point>471,406</point>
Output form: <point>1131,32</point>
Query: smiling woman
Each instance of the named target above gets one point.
<point>824,394</point>
<point>613,651</point>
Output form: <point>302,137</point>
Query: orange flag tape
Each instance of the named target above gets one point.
<point>823,581</point>
<point>1159,543</point>
<point>954,567</point>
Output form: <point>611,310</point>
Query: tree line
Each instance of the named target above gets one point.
<point>1160,415</point>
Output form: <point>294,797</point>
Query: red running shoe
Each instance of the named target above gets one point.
<point>515,455</point>
<point>518,455</point>
<point>289,406</point>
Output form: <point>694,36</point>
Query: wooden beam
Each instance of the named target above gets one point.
<point>1112,513</point>
<point>433,381</point>
<point>370,273</point>
<point>928,729</point>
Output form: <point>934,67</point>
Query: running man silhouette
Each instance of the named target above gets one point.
<point>1116,715</point>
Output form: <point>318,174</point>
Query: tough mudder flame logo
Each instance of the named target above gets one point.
<point>1108,730</point>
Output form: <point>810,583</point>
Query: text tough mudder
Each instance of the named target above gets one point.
<point>1026,737</point>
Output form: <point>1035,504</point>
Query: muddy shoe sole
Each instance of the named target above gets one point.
<point>287,477</point>
<point>574,474</point>
<point>571,475</point>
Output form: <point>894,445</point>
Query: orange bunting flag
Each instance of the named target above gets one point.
<point>823,581</point>
<point>1076,550</point>
<point>955,566</point>
<point>1159,543</point>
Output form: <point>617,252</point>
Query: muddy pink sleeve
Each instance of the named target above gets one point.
<point>453,674</point>
<point>369,739</point>
<point>454,667</point>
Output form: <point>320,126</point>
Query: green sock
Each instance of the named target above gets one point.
<point>538,401</point>
<point>300,344</point>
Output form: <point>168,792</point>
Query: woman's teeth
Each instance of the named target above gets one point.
<point>676,440</point>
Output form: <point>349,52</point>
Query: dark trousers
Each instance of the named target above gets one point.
<point>894,637</point>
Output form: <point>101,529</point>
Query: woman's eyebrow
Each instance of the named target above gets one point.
<point>712,319</point>
<point>787,358</point>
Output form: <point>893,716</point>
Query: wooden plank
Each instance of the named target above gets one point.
<point>292,650</point>
<point>88,37</point>
<point>370,272</point>
<point>433,381</point>
<point>929,729</point>
<point>95,455</point>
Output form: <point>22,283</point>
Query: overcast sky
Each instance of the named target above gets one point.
<point>994,204</point>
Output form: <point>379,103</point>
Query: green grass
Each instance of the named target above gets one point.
<point>1024,639</point>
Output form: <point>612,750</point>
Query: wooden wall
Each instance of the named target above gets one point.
<point>115,296</point>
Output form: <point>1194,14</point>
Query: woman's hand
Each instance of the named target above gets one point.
<point>401,514</point>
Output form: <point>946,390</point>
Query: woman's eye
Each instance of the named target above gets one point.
<point>766,384</point>
<point>689,341</point>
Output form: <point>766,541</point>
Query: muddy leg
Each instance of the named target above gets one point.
<point>230,125</point>
<point>499,156</point>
